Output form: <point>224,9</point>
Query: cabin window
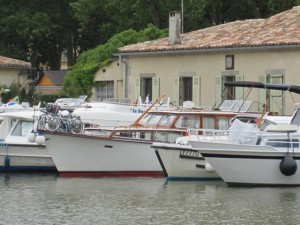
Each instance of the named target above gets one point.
<point>223,123</point>
<point>22,128</point>
<point>208,122</point>
<point>167,136</point>
<point>188,122</point>
<point>283,143</point>
<point>167,119</point>
<point>296,118</point>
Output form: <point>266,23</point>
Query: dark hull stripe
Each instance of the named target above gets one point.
<point>154,174</point>
<point>209,155</point>
<point>161,163</point>
<point>191,157</point>
<point>235,184</point>
<point>174,178</point>
<point>28,169</point>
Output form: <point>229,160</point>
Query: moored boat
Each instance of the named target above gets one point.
<point>21,150</point>
<point>126,150</point>
<point>273,160</point>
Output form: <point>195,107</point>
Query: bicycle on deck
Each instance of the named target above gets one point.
<point>56,119</point>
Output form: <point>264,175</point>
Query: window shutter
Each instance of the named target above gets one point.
<point>155,88</point>
<point>239,91</point>
<point>176,90</point>
<point>262,93</point>
<point>218,91</point>
<point>137,87</point>
<point>196,90</point>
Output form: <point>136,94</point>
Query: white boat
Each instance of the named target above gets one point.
<point>126,151</point>
<point>19,150</point>
<point>181,162</point>
<point>107,113</point>
<point>272,160</point>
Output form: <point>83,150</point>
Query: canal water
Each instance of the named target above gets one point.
<point>50,199</point>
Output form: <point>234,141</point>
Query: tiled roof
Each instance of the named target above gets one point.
<point>280,29</point>
<point>56,77</point>
<point>13,63</point>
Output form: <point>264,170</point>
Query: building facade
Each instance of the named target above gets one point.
<point>194,66</point>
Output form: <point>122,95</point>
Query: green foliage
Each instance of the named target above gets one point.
<point>80,79</point>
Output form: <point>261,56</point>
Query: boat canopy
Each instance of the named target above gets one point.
<point>254,84</point>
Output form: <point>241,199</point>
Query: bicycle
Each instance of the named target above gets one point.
<point>55,119</point>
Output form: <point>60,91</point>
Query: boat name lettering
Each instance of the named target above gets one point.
<point>189,153</point>
<point>137,111</point>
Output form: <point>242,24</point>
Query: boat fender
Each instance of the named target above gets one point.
<point>31,137</point>
<point>288,165</point>
<point>209,168</point>
<point>40,139</point>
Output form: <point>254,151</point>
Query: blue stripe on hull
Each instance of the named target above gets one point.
<point>28,169</point>
<point>193,178</point>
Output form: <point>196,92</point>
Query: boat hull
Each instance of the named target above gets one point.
<point>251,165</point>
<point>82,155</point>
<point>180,162</point>
<point>26,158</point>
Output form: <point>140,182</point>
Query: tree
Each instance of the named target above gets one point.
<point>35,32</point>
<point>80,79</point>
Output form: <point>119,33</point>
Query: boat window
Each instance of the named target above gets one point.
<point>167,119</point>
<point>223,123</point>
<point>208,122</point>
<point>188,122</point>
<point>283,143</point>
<point>134,135</point>
<point>12,123</point>
<point>151,119</point>
<point>22,128</point>
<point>296,118</point>
<point>168,137</point>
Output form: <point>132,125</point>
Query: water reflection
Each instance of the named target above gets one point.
<point>48,199</point>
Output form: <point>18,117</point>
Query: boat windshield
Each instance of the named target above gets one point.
<point>22,128</point>
<point>151,119</point>
<point>167,120</point>
<point>235,105</point>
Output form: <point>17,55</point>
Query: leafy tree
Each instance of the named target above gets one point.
<point>35,31</point>
<point>80,79</point>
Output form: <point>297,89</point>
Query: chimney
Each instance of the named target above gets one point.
<point>174,28</point>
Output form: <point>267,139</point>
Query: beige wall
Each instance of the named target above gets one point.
<point>9,76</point>
<point>112,72</point>
<point>251,65</point>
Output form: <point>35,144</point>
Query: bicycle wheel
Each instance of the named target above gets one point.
<point>77,126</point>
<point>41,122</point>
<point>52,122</point>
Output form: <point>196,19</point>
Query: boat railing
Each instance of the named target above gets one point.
<point>225,136</point>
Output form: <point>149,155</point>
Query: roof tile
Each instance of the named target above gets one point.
<point>280,29</point>
<point>13,63</point>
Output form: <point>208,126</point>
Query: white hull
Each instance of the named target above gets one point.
<point>26,158</point>
<point>248,165</point>
<point>180,162</point>
<point>87,155</point>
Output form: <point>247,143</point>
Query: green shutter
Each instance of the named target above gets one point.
<point>155,88</point>
<point>262,93</point>
<point>196,90</point>
<point>218,91</point>
<point>239,91</point>
<point>137,87</point>
<point>176,90</point>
